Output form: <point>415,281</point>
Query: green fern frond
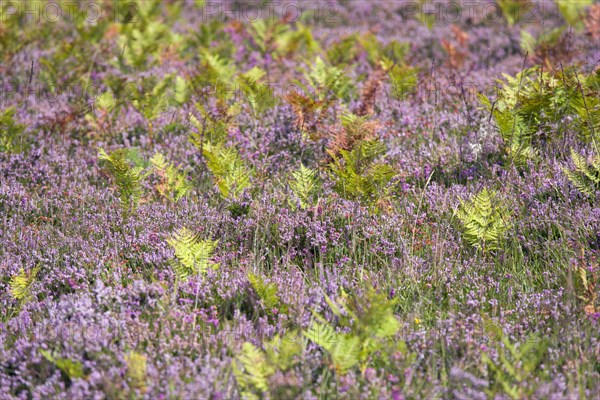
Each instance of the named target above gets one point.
<point>159,94</point>
<point>159,162</point>
<point>372,327</point>
<point>322,334</point>
<point>544,40</point>
<point>72,369</point>
<point>252,370</point>
<point>181,91</point>
<point>143,39</point>
<point>267,293</point>
<point>344,349</point>
<point>305,185</point>
<point>586,175</point>
<point>352,121</point>
<point>193,255</point>
<point>11,133</point>
<point>284,352</point>
<point>356,173</point>
<point>136,370</point>
<point>329,82</point>
<point>294,41</point>
<point>484,221</point>
<point>513,365</point>
<point>173,183</point>
<point>535,100</point>
<point>106,101</point>
<point>404,79</point>
<point>378,317</point>
<point>343,51</point>
<point>211,128</point>
<point>573,11</point>
<point>253,367</point>
<point>587,109</point>
<point>230,172</point>
<point>151,103</point>
<point>20,284</point>
<point>256,93</point>
<point>127,177</point>
<point>396,51</point>
<point>515,10</point>
<point>521,153</point>
<point>216,73</point>
<point>266,32</point>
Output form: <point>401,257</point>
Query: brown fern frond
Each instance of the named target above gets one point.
<point>300,105</point>
<point>457,49</point>
<point>221,111</point>
<point>339,141</point>
<point>461,36</point>
<point>345,137</point>
<point>309,113</point>
<point>362,131</point>
<point>368,95</point>
<point>592,22</point>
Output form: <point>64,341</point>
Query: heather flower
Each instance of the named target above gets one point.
<point>92,306</point>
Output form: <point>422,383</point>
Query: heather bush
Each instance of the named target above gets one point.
<point>343,200</point>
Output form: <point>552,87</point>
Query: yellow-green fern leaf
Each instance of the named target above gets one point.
<point>267,293</point>
<point>484,220</point>
<point>230,172</point>
<point>136,370</point>
<point>193,255</point>
<point>284,352</point>
<point>344,349</point>
<point>11,132</point>
<point>252,370</point>
<point>304,185</point>
<point>20,284</point>
<point>586,175</point>
<point>72,369</point>
<point>173,182</point>
<point>127,177</point>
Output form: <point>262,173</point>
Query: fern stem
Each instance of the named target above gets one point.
<point>587,110</point>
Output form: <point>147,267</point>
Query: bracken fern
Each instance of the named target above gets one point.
<point>212,126</point>
<point>143,37</point>
<point>136,370</point>
<point>173,183</point>
<point>514,365</point>
<point>515,11</point>
<point>253,367</point>
<point>304,184</point>
<point>484,221</point>
<point>193,255</point>
<point>371,328</point>
<point>357,174</point>
<point>586,175</point>
<point>257,94</point>
<point>11,133</point>
<point>267,294</point>
<point>20,284</point>
<point>71,369</point>
<point>326,81</point>
<point>531,104</point>
<point>127,178</point>
<point>230,172</point>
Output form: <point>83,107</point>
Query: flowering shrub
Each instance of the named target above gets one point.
<point>341,199</point>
